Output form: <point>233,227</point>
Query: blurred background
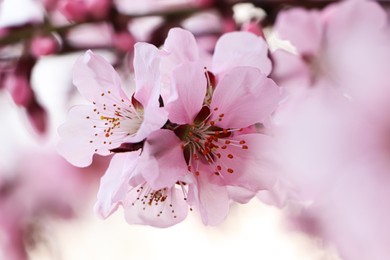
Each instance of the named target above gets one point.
<point>46,204</point>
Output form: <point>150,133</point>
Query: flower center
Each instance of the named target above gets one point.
<point>205,142</point>
<point>115,119</point>
<point>160,201</point>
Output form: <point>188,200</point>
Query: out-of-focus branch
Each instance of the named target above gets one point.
<point>26,32</point>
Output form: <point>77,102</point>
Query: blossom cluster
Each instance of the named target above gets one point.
<point>186,138</point>
<point>220,104</point>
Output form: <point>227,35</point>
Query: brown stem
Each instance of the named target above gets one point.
<point>28,31</point>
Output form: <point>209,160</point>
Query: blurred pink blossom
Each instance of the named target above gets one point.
<point>44,45</point>
<point>332,118</point>
<point>123,41</point>
<point>43,187</point>
<point>331,131</point>
<point>332,46</point>
<point>353,216</point>
<point>17,82</point>
<point>80,10</point>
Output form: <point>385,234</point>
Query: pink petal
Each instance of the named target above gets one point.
<point>78,132</point>
<point>213,200</point>
<point>139,210</point>
<point>289,68</point>
<point>304,29</point>
<point>163,160</point>
<point>247,165</point>
<point>190,83</point>
<point>37,116</point>
<point>244,97</point>
<point>115,183</point>
<point>181,46</point>
<point>147,73</point>
<point>154,118</point>
<point>94,77</point>
<point>241,49</point>
<point>351,17</point>
<point>239,194</point>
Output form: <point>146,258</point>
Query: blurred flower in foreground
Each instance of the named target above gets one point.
<point>43,187</point>
<point>332,131</point>
<point>335,49</point>
<point>201,156</point>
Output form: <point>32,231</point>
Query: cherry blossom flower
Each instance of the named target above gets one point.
<point>131,181</point>
<point>208,120</point>
<point>215,151</point>
<point>113,118</point>
<point>195,165</point>
<point>331,48</point>
<point>202,158</point>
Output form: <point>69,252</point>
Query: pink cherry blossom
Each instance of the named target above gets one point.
<point>213,168</point>
<point>202,158</point>
<point>162,200</point>
<point>113,118</point>
<point>26,201</point>
<point>216,153</point>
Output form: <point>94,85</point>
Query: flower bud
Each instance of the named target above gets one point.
<point>123,41</point>
<point>43,45</point>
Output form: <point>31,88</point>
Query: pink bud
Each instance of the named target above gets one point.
<point>74,10</point>
<point>253,27</point>
<point>99,8</point>
<point>204,3</point>
<point>19,88</point>
<point>18,82</point>
<point>123,41</point>
<point>49,4</point>
<point>43,45</point>
<point>228,24</point>
<point>37,116</point>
